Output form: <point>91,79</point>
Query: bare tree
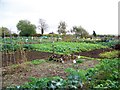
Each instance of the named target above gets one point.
<point>62,28</point>
<point>42,26</point>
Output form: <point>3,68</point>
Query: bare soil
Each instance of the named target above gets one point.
<point>13,76</point>
<point>94,53</point>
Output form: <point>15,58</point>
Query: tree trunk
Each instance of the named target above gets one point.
<point>42,31</point>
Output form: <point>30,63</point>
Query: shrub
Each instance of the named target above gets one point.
<point>104,75</point>
<point>111,54</point>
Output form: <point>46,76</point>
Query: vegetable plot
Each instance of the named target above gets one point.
<point>66,47</point>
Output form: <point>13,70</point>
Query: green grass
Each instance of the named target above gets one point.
<point>89,58</point>
<point>79,61</point>
<point>33,62</point>
<point>36,62</point>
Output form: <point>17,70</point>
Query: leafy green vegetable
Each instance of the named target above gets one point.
<point>104,75</point>
<point>66,47</point>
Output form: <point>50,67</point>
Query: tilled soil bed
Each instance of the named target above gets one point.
<point>94,53</point>
<point>20,57</point>
<point>32,55</point>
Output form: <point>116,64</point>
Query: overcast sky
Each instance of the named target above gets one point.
<point>98,15</point>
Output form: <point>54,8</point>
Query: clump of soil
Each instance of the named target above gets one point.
<point>62,58</point>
